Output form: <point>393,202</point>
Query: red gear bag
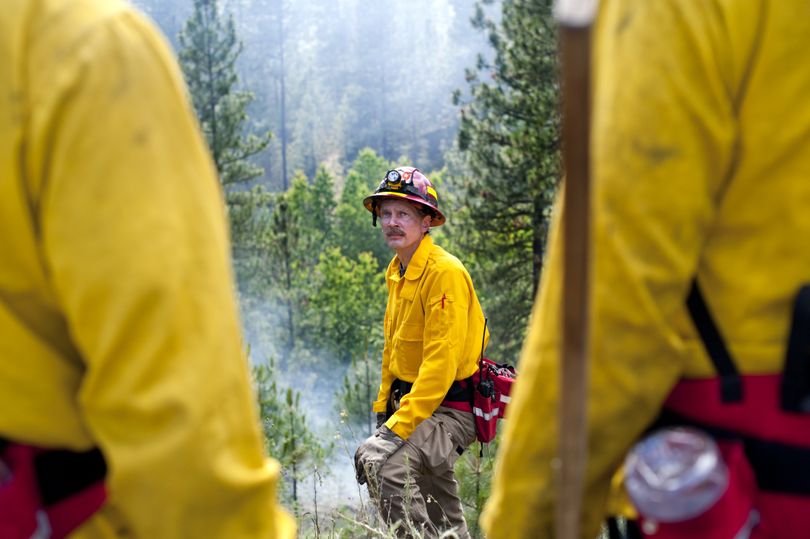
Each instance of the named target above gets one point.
<point>492,385</point>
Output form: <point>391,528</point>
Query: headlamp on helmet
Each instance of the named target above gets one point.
<point>392,178</point>
<point>408,183</point>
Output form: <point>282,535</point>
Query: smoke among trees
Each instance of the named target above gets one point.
<point>305,105</point>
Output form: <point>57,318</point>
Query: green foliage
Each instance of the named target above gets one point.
<point>353,220</point>
<point>359,390</point>
<point>307,257</point>
<point>284,242</point>
<point>348,303</point>
<point>286,433</point>
<point>208,53</point>
<point>313,209</point>
<point>473,472</point>
<point>507,170</point>
<point>277,241</point>
<point>244,207</point>
<point>267,395</point>
<point>263,260</point>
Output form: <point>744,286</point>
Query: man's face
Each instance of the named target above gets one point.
<point>402,225</point>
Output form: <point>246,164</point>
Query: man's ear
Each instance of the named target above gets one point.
<point>425,223</point>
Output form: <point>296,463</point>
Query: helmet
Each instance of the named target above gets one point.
<point>410,184</point>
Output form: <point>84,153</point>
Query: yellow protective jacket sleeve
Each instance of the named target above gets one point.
<point>118,325</point>
<point>433,333</point>
<point>701,166</point>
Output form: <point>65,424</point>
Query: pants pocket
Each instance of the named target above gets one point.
<point>439,449</point>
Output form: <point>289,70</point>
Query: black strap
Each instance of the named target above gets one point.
<point>631,530</point>
<point>613,529</point>
<point>401,387</point>
<point>778,467</point>
<point>730,382</point>
<point>460,390</point>
<point>61,474</point>
<point>795,387</point>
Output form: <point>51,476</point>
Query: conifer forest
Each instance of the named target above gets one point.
<point>305,105</point>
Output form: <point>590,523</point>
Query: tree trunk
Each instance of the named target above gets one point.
<point>538,241</point>
<point>283,94</point>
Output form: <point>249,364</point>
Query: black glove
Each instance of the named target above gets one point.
<point>381,418</point>
<point>373,453</point>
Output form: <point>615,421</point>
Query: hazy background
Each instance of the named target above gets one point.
<point>357,73</point>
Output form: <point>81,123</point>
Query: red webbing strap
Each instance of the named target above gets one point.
<point>48,492</point>
<point>19,498</point>
<point>68,514</point>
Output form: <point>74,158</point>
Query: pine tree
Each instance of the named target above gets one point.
<point>287,435</point>
<point>359,390</point>
<point>313,204</point>
<point>347,303</point>
<point>299,229</point>
<point>474,476</point>
<point>280,239</point>
<point>353,220</point>
<point>208,52</point>
<point>508,169</point>
<point>285,236</point>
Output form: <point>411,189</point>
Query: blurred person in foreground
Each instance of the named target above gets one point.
<point>434,330</point>
<point>127,408</point>
<point>701,171</point>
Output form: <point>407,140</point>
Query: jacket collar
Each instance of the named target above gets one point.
<point>419,259</point>
<point>415,268</point>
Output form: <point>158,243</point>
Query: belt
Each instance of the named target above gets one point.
<point>461,391</point>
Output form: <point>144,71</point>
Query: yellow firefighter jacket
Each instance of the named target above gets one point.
<point>701,166</point>
<point>434,329</point>
<point>118,325</point>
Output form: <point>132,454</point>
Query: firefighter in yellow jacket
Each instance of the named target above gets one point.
<point>701,167</point>
<point>121,365</point>
<point>434,330</point>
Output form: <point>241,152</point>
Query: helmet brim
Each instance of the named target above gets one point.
<point>437,219</point>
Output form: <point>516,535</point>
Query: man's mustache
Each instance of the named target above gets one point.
<point>394,232</point>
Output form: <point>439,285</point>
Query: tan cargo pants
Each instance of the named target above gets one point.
<point>417,487</point>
